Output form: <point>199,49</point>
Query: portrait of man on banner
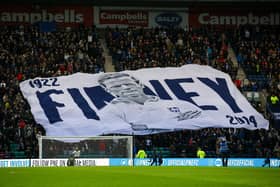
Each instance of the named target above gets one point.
<point>140,109</point>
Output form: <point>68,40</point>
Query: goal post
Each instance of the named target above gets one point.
<point>89,147</point>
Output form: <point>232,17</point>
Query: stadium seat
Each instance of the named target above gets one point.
<point>249,96</point>
<point>256,96</point>
<point>14,147</point>
<point>19,154</point>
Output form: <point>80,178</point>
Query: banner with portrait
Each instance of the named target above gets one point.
<point>145,101</point>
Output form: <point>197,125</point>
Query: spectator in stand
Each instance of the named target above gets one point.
<point>200,153</point>
<point>274,100</point>
<point>237,83</point>
<point>141,154</point>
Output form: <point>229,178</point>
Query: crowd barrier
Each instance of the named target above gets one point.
<point>211,162</point>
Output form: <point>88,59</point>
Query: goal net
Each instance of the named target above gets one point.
<point>88,147</point>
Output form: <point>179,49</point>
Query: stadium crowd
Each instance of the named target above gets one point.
<point>258,52</point>
<point>25,53</point>
<point>133,49</point>
<point>141,48</point>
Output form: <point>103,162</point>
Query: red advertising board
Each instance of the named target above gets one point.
<point>61,15</point>
<point>227,17</point>
<point>124,17</point>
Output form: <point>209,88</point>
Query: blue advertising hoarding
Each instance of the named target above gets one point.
<point>211,162</point>
<point>193,162</point>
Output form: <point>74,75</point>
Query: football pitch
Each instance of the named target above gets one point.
<point>138,176</point>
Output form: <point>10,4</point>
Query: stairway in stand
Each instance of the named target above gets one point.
<point>240,72</point>
<point>109,67</point>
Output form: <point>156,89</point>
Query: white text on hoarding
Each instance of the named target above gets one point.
<point>271,19</point>
<point>68,16</point>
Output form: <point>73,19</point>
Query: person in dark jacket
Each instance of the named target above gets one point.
<point>160,159</point>
<point>154,158</point>
<point>267,159</point>
<point>224,150</point>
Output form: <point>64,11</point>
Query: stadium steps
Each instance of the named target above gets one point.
<point>240,72</point>
<point>109,67</point>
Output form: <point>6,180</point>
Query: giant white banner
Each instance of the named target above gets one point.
<point>139,102</point>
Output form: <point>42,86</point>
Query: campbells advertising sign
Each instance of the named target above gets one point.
<point>124,17</point>
<point>233,18</point>
<point>61,15</point>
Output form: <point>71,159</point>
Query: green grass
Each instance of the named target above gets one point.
<point>139,176</point>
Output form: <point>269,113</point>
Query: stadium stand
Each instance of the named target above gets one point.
<point>26,52</point>
<point>151,55</point>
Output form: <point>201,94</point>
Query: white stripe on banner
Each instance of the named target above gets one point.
<point>140,102</point>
